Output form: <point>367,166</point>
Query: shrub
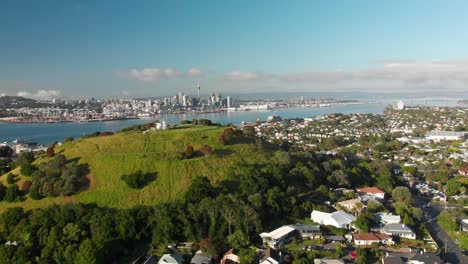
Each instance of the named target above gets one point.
<point>50,151</point>
<point>12,193</point>
<point>107,133</point>
<point>26,187</point>
<point>27,169</point>
<point>68,139</point>
<point>137,180</point>
<point>206,150</point>
<point>2,191</point>
<point>25,157</point>
<point>189,152</point>
<point>11,178</point>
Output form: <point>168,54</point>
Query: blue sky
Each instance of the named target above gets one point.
<point>151,48</point>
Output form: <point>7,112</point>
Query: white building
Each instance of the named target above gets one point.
<point>367,239</point>
<point>445,135</point>
<point>400,230</point>
<point>338,219</point>
<point>400,105</point>
<point>387,218</point>
<point>349,204</point>
<point>161,125</point>
<point>280,236</point>
<point>372,191</point>
<point>170,259</point>
<point>328,261</point>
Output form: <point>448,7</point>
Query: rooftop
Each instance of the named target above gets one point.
<point>370,190</point>
<point>397,228</point>
<point>370,236</point>
<point>279,232</point>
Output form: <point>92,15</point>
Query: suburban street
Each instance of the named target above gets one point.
<point>431,211</point>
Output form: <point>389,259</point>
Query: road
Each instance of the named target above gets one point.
<point>453,254</point>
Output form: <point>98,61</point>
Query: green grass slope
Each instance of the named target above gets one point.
<point>110,157</point>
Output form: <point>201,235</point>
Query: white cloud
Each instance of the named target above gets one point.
<point>40,94</point>
<point>194,72</point>
<point>152,74</point>
<point>241,76</point>
<point>449,74</point>
<point>156,74</point>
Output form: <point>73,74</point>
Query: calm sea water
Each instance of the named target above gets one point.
<point>48,133</point>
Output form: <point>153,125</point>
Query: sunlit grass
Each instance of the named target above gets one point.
<point>112,156</point>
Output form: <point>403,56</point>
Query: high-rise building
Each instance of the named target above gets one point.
<point>180,96</point>
<point>198,88</point>
<point>400,105</point>
<point>228,98</point>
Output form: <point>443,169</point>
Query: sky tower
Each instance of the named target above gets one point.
<point>198,88</point>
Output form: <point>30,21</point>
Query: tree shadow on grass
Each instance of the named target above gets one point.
<point>223,152</point>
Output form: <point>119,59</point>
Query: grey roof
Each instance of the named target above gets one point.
<point>342,217</point>
<point>328,261</point>
<point>306,228</point>
<point>390,259</point>
<point>428,257</point>
<point>200,259</point>
<point>335,238</point>
<point>170,259</point>
<point>421,257</point>
<point>397,229</point>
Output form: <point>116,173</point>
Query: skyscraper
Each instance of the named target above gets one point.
<point>198,88</point>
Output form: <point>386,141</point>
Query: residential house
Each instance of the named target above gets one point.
<point>349,204</point>
<point>170,259</point>
<point>270,256</point>
<point>387,218</point>
<point>200,258</point>
<point>328,261</point>
<point>308,231</point>
<point>372,191</point>
<point>230,257</point>
<point>366,239</point>
<point>145,260</point>
<point>400,230</point>
<point>338,219</point>
<point>412,258</point>
<point>280,236</point>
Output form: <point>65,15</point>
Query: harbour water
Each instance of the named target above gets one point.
<point>43,133</point>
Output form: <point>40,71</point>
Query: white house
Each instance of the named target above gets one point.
<point>400,230</point>
<point>366,239</point>
<point>387,218</point>
<point>270,256</point>
<point>170,259</point>
<point>280,236</point>
<point>328,261</point>
<point>349,204</point>
<point>338,219</point>
<point>372,191</point>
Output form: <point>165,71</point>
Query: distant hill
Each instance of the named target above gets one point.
<point>109,157</point>
<point>18,102</point>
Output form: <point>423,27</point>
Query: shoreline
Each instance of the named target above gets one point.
<point>16,120</point>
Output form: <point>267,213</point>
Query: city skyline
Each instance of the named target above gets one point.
<point>156,48</point>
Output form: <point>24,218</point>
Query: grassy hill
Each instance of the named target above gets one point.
<point>110,157</point>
